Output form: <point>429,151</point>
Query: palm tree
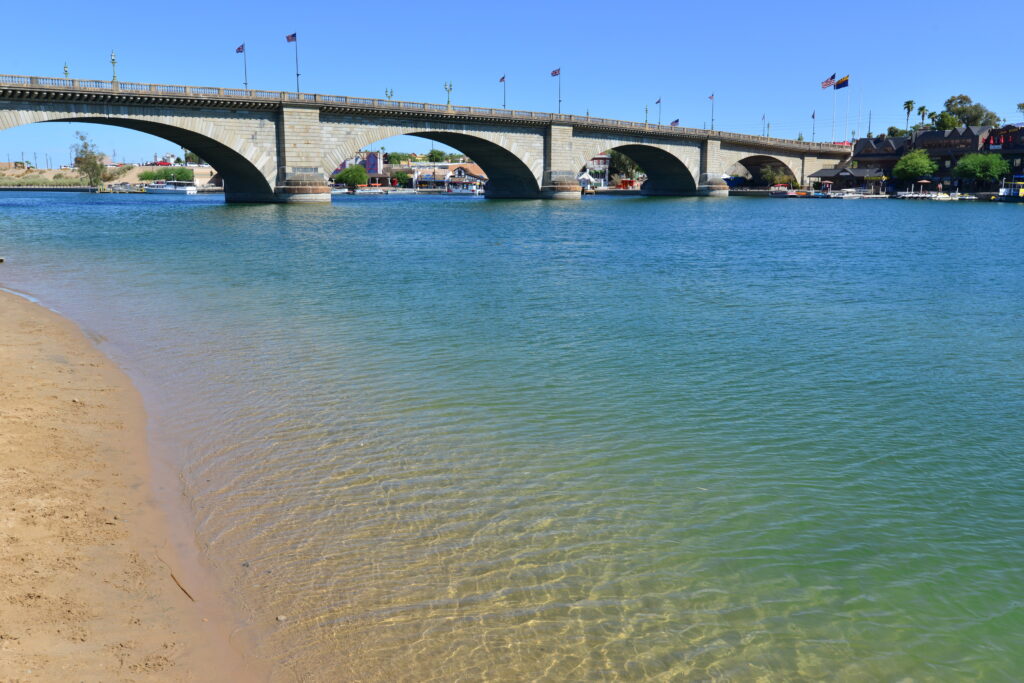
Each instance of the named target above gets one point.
<point>922,111</point>
<point>908,106</point>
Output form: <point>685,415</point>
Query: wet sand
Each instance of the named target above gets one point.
<point>90,588</point>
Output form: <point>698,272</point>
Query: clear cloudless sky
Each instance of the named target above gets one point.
<point>759,59</point>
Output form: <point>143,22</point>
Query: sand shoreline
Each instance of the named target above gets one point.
<point>91,582</point>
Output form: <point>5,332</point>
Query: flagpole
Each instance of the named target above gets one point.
<point>659,111</point>
<point>814,125</point>
<point>297,89</point>
<point>712,111</point>
<point>504,92</point>
<point>833,113</point>
<point>245,65</point>
<point>846,121</point>
<point>559,90</point>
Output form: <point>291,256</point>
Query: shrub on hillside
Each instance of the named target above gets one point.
<point>168,174</point>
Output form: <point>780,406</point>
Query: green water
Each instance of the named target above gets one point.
<point>631,439</point>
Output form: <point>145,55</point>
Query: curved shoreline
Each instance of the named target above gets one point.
<point>93,586</point>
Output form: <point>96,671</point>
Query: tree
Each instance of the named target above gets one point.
<point>983,168</point>
<point>768,176</point>
<point>398,157</point>
<point>193,158</point>
<point>622,165</point>
<point>1020,108</point>
<point>895,132</point>
<point>352,176</point>
<point>88,160</point>
<point>970,113</point>
<point>914,165</point>
<point>404,179</point>
<point>922,111</point>
<point>436,156</point>
<point>946,121</point>
<point>908,106</point>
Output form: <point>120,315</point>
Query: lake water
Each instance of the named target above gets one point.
<point>616,439</point>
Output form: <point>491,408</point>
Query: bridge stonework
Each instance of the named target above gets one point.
<point>273,146</point>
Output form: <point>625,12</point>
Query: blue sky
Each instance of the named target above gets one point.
<point>758,58</point>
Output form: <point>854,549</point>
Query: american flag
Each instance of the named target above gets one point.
<point>292,37</point>
<point>501,80</point>
<point>557,72</point>
<point>659,101</point>
<point>674,123</point>
<point>711,96</point>
<point>240,48</point>
<point>828,82</point>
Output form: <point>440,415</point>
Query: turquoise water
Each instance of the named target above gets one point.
<point>617,439</point>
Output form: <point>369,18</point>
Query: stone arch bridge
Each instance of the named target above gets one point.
<point>272,146</point>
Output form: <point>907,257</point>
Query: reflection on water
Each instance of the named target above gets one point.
<point>455,439</point>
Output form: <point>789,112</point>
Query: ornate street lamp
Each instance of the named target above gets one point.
<point>448,89</point>
<point>389,94</point>
<point>113,65</point>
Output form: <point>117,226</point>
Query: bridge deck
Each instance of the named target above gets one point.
<point>46,88</point>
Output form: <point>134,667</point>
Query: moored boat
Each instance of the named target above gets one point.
<point>171,187</point>
<point>781,191</point>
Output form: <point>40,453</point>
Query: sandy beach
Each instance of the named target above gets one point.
<point>90,588</point>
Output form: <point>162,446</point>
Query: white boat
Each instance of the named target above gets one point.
<point>370,190</point>
<point>453,189</point>
<point>171,187</point>
<point>781,191</point>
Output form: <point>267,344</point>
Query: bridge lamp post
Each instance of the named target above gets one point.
<point>67,72</point>
<point>113,65</point>
<point>448,89</point>
<point>389,94</point>
<point>645,116</point>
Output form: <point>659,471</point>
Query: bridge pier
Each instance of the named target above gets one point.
<point>300,180</point>
<point>711,183</point>
<point>559,180</point>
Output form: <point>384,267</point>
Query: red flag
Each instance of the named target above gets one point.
<point>292,37</point>
<point>501,80</point>
<point>240,48</point>
<point>557,72</point>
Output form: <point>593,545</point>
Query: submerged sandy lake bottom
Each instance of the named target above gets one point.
<point>611,439</point>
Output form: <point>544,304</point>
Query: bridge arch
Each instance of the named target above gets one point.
<point>514,164</point>
<point>249,173</point>
<point>668,175</point>
<point>753,167</point>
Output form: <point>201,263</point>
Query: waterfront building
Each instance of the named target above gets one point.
<point>871,178</point>
<point>1008,141</point>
